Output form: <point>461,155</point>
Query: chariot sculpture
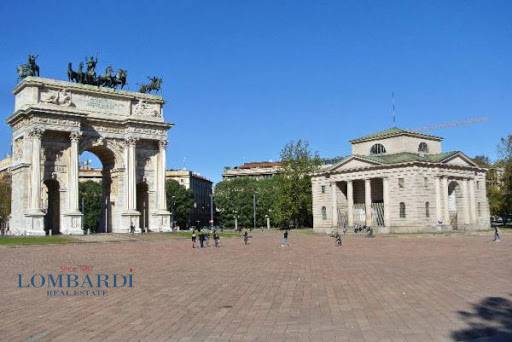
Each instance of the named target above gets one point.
<point>108,79</point>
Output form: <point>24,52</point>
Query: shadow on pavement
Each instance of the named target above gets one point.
<point>490,320</point>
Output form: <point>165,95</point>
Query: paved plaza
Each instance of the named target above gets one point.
<point>413,288</point>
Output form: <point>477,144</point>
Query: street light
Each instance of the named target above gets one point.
<point>268,218</point>
<point>211,211</point>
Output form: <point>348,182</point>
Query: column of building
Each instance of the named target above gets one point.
<point>162,200</point>
<point>437,189</point>
<point>465,202</point>
<point>334,196</point>
<point>444,191</point>
<point>35,176</point>
<point>130,174</point>
<point>368,201</point>
<point>385,189</point>
<point>350,203</point>
<point>73,172</point>
<point>472,206</point>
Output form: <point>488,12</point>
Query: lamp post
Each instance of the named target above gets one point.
<point>211,211</point>
<point>268,218</point>
<point>236,220</point>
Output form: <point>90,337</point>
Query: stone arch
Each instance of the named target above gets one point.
<point>50,134</point>
<point>112,159</point>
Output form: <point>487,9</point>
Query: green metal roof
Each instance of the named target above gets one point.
<point>404,157</point>
<point>392,132</point>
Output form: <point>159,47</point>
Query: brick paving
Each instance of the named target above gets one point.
<point>380,289</point>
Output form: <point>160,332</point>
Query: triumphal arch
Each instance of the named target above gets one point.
<point>53,123</point>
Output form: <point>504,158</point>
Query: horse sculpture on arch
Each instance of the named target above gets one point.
<point>29,69</point>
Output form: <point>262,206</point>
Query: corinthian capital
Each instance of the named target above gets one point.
<point>75,136</point>
<point>131,140</point>
<point>162,143</point>
<point>36,132</point>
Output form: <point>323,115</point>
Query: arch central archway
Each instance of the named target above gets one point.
<point>97,164</point>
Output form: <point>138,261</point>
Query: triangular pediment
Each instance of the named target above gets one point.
<point>353,162</point>
<point>459,159</point>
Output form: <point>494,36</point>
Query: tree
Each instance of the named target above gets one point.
<point>235,197</point>
<point>89,196</point>
<point>180,202</point>
<point>505,151</point>
<point>294,200</point>
<point>482,161</point>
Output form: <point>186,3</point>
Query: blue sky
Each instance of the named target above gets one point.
<point>243,78</point>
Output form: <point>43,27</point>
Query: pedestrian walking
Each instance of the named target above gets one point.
<point>497,234</point>
<point>338,239</point>
<point>207,238</point>
<point>132,228</point>
<point>285,238</point>
<point>201,239</point>
<point>246,237</point>
<point>194,237</point>
<point>216,238</point>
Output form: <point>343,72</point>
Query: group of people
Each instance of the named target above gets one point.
<point>204,238</point>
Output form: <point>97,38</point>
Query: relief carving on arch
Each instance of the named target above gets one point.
<point>17,149</point>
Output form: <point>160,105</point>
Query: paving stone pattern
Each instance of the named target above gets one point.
<point>380,289</point>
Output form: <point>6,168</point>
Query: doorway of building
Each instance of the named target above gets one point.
<point>454,203</point>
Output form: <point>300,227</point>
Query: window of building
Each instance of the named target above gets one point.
<point>377,149</point>
<point>423,148</point>
<point>477,185</point>
<point>402,210</point>
<point>401,183</point>
<point>323,189</point>
<point>427,209</point>
<point>324,213</point>
<point>479,209</point>
<point>425,182</point>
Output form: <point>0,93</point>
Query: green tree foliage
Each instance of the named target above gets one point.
<point>236,196</point>
<point>89,196</point>
<point>294,200</point>
<point>5,199</point>
<point>180,202</point>
<point>285,198</point>
<point>482,161</point>
<point>505,149</point>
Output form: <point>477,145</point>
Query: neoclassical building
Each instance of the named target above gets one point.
<point>401,181</point>
<point>53,122</point>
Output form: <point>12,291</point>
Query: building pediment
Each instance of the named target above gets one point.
<point>353,162</point>
<point>459,159</point>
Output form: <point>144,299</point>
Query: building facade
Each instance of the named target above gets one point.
<point>201,188</point>
<point>401,181</point>
<point>254,170</point>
